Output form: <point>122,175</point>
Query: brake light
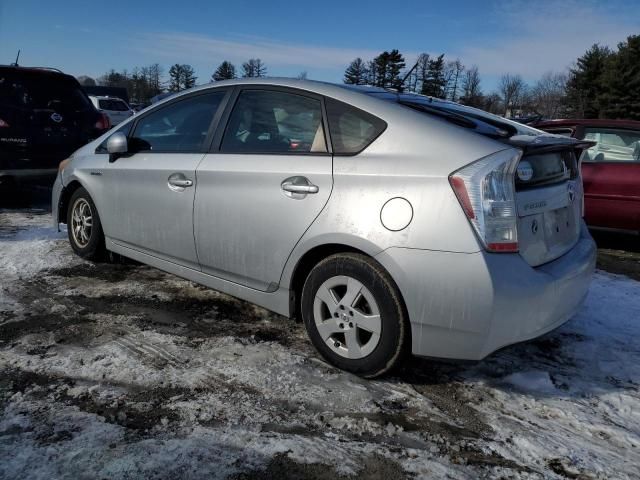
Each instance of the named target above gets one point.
<point>3,124</point>
<point>486,192</point>
<point>103,122</point>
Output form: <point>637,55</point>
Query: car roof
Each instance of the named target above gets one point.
<point>340,92</point>
<point>588,122</point>
<point>44,71</point>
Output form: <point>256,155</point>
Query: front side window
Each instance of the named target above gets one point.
<point>181,126</point>
<point>264,121</point>
<point>613,145</point>
<point>352,130</point>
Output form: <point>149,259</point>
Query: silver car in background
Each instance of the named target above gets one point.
<point>389,223</point>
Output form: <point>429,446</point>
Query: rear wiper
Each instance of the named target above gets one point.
<point>446,114</point>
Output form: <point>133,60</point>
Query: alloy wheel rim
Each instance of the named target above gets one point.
<point>81,222</point>
<point>347,317</point>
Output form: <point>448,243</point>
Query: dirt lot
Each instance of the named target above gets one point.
<point>121,371</point>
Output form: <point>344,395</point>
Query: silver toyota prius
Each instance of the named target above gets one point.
<point>387,222</point>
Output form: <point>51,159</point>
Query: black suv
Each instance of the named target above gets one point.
<point>44,117</point>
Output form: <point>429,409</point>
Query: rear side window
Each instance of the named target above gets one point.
<point>352,130</point>
<point>265,121</point>
<point>181,126</point>
<point>613,145</point>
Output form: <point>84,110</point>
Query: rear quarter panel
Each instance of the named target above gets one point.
<point>412,159</point>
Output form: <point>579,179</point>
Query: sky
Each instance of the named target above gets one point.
<point>527,38</point>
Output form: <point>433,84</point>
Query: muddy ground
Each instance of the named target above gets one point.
<point>122,371</point>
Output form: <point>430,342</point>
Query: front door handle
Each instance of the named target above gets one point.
<point>298,187</point>
<point>178,182</point>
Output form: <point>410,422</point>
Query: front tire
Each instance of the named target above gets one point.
<point>84,227</point>
<point>354,315</point>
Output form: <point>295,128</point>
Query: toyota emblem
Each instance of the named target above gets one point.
<point>56,117</point>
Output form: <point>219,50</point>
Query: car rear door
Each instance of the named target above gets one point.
<point>268,176</point>
<point>149,193</point>
<point>611,177</point>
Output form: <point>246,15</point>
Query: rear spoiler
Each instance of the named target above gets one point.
<point>547,143</point>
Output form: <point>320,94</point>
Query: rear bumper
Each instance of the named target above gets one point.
<point>466,306</point>
<point>28,173</point>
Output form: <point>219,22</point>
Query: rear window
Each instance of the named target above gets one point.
<point>41,92</point>
<point>352,130</point>
<point>112,104</point>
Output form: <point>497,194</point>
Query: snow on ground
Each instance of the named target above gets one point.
<point>121,371</point>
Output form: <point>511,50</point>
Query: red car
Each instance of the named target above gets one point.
<point>610,170</point>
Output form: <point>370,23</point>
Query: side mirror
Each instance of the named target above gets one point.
<point>116,145</point>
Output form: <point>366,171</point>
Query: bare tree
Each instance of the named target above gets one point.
<point>254,68</point>
<point>453,71</point>
<point>471,93</point>
<point>512,89</point>
<point>492,103</point>
<point>548,94</point>
<point>302,75</point>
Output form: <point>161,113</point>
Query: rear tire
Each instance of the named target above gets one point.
<point>354,315</point>
<point>84,227</point>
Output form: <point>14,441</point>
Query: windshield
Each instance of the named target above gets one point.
<point>113,104</point>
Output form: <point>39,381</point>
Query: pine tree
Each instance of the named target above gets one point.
<point>188,77</point>
<point>388,66</point>
<point>585,84</point>
<point>434,82</point>
<point>181,77</point>
<point>175,78</point>
<point>254,68</point>
<point>225,71</point>
<point>621,82</point>
<point>356,73</point>
<point>395,66</point>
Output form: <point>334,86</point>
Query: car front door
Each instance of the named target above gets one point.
<point>611,177</point>
<point>267,178</point>
<point>150,190</point>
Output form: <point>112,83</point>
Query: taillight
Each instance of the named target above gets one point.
<point>103,122</point>
<point>486,192</point>
<point>3,124</point>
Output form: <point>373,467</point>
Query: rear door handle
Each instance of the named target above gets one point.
<point>298,187</point>
<point>178,182</point>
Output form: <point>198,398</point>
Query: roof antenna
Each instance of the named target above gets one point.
<point>15,64</point>
<point>404,79</point>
